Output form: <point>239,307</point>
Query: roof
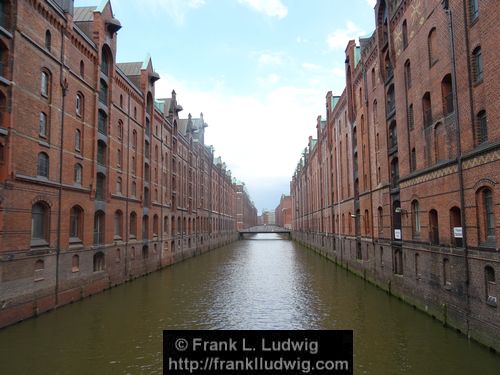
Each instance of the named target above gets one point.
<point>130,68</point>
<point>182,125</point>
<point>84,14</point>
<point>357,55</point>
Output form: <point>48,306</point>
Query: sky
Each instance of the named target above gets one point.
<point>259,70</point>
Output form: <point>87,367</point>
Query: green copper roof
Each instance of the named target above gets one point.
<point>357,55</point>
<point>335,100</point>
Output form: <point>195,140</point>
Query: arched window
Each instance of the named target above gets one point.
<point>405,34</point>
<point>477,65</point>
<point>155,225</point>
<point>3,60</point>
<point>105,63</point>
<point>121,101</point>
<point>133,225</point>
<point>134,139</point>
<point>100,187</point>
<point>101,153</point>
<point>447,95</point>
<point>44,84</point>
<point>5,14</point>
<point>389,71</point>
<point>394,171</point>
<point>427,109</point>
<point>42,169</point>
<point>103,92</point>
<point>118,157</point>
<point>415,218</point>
<point>78,174</point>
<point>413,160</point>
<point>165,224</point>
<point>145,227</point>
<point>455,225</point>
<point>408,74</point>
<point>431,47</point>
<point>446,272</point>
<point>391,100</point>
<point>99,262</point>
<point>118,224</point>
<point>39,270</point>
<point>79,105</point>
<point>119,185</point>
<point>42,125</point>
<point>40,224</point>
<point>78,140</point>
<point>490,285</point>
<point>76,224</point>
<point>102,122</point>
<point>374,78</point>
<point>481,127</point>
<point>75,263</point>
<point>134,189</point>
<point>99,227</point>
<point>375,112</point>
<point>48,40</point>
<point>433,227</point>
<point>440,142</point>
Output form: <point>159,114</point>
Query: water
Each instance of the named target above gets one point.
<point>260,283</point>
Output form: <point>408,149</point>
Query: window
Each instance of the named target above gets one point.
<point>411,120</point>
<point>477,65</point>
<point>489,215</point>
<point>133,225</point>
<point>48,40</point>
<point>431,47</point>
<point>405,34</point>
<point>433,227</point>
<point>391,100</point>
<point>375,112</point>
<point>105,63</point>
<point>134,189</point>
<point>98,262</point>
<point>120,130</point>
<point>417,268</point>
<point>490,285</point>
<point>118,157</point>
<point>75,263</point>
<point>99,228</point>
<point>102,122</point>
<point>447,95</point>
<point>393,135</point>
<point>474,10</point>
<point>119,185</point>
<point>145,252</point>
<point>76,224</point>
<point>82,69</point>
<point>79,105</point>
<point>408,74</point>
<point>4,14</point>
<point>121,101</point>
<point>413,160</point>
<point>100,186</point>
<point>134,165</point>
<point>43,165</point>
<point>481,127</point>
<point>389,71</point>
<point>427,109</point>
<point>455,222</point>
<point>78,140</point>
<point>40,224</point>
<point>394,171</point>
<point>38,271</point>
<point>446,272</point>
<point>42,125</point>
<point>103,92</point>
<point>415,218</point>
<point>118,221</point>
<point>134,139</point>
<point>3,60</point>
<point>101,153</point>
<point>44,86</point>
<point>398,261</point>
<point>78,174</point>
<point>380,221</point>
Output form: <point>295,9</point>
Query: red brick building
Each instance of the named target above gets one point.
<point>283,213</point>
<point>99,181</point>
<point>401,184</point>
<point>246,213</point>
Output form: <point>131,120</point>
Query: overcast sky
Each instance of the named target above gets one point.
<point>259,70</point>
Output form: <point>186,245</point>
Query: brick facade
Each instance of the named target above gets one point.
<point>400,184</point>
<point>283,213</point>
<point>99,181</point>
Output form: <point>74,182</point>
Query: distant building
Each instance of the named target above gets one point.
<point>283,212</point>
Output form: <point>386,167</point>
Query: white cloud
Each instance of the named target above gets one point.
<point>311,66</point>
<point>272,8</point>
<point>259,137</point>
<point>268,80</point>
<point>271,58</point>
<point>175,9</point>
<point>340,37</point>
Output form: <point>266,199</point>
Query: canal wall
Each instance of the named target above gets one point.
<point>415,274</point>
<point>61,283</point>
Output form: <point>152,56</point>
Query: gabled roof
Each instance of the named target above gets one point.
<point>84,14</point>
<point>130,68</point>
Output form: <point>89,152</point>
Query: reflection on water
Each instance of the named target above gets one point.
<point>261,283</point>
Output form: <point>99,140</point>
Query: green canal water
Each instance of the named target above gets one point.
<point>259,283</point>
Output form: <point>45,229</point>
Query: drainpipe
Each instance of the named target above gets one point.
<point>64,89</point>
<point>365,84</point>
<point>459,148</point>
<point>127,214</point>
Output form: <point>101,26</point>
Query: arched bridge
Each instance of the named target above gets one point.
<point>269,228</point>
